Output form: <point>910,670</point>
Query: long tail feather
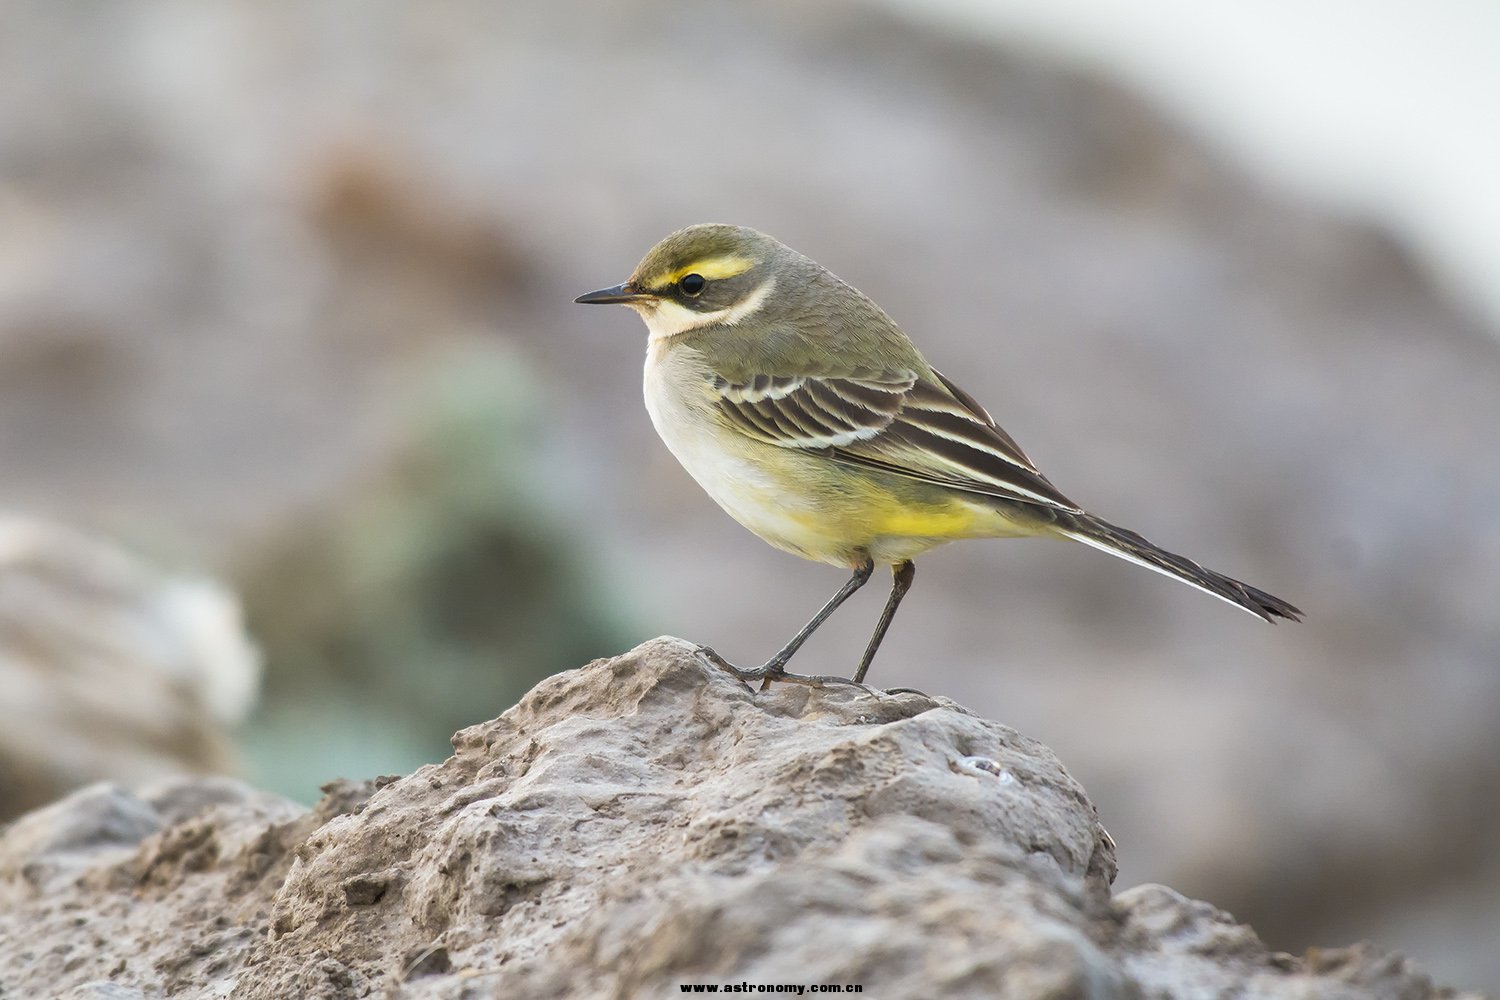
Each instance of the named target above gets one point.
<point>1125,544</point>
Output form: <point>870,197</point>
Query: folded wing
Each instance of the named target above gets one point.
<point>895,421</point>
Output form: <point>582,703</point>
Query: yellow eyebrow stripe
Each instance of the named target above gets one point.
<point>712,268</point>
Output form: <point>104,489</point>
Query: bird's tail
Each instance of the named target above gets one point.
<point>1099,533</point>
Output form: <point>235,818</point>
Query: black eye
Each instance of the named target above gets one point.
<point>692,284</point>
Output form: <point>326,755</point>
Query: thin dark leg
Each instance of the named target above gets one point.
<point>775,667</point>
<point>861,576</point>
<point>902,575</point>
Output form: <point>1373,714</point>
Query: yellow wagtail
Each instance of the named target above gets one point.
<point>807,414</point>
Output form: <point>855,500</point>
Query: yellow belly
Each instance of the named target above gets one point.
<point>846,514</point>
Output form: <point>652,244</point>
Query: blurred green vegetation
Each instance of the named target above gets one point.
<point>432,595</point>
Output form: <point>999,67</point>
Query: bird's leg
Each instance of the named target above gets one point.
<point>774,669</point>
<point>902,575</point>
<point>861,576</point>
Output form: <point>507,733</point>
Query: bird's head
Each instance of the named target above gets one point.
<point>701,276</point>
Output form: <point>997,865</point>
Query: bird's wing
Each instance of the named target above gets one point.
<point>895,421</point>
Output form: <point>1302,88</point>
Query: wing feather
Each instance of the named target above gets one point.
<point>898,422</point>
<point>812,413</point>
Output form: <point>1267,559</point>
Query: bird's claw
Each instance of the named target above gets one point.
<point>773,672</point>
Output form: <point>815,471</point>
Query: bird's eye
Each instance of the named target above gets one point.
<point>692,284</point>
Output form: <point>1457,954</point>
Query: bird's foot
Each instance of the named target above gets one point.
<point>773,671</point>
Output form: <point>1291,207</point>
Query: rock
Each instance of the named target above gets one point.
<point>630,827</point>
<point>110,669</point>
<point>105,991</point>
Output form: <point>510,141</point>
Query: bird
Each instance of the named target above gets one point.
<point>807,414</point>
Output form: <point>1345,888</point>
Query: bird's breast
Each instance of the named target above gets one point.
<point>757,484</point>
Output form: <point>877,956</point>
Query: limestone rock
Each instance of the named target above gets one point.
<point>110,669</point>
<point>639,824</point>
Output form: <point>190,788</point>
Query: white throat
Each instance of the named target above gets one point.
<point>666,319</point>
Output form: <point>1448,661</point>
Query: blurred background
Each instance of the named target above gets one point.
<point>309,458</point>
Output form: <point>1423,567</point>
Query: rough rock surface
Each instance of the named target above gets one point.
<point>630,827</point>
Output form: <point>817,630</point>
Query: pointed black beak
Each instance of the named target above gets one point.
<point>608,296</point>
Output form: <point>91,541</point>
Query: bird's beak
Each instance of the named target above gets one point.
<point>625,294</point>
